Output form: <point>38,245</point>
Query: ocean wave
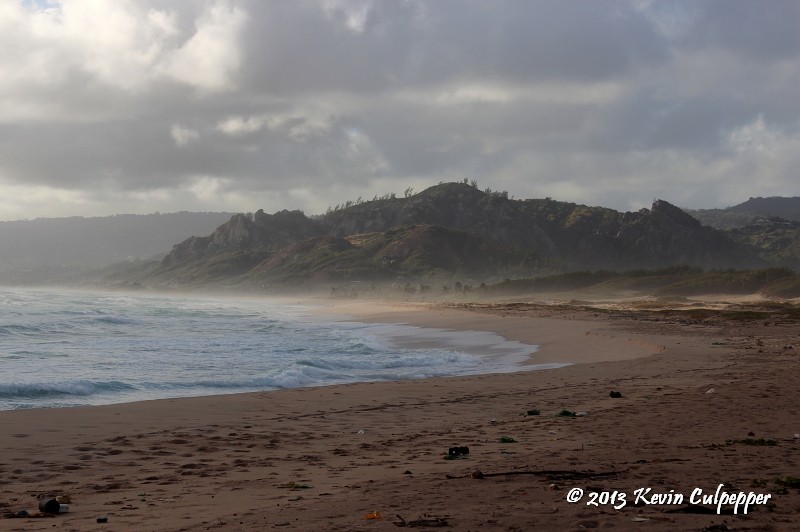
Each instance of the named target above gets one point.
<point>322,371</point>
<point>18,330</point>
<point>116,320</point>
<point>289,378</point>
<point>93,349</point>
<point>55,389</point>
<point>392,360</point>
<point>297,377</point>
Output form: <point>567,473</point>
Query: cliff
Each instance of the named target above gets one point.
<point>261,232</point>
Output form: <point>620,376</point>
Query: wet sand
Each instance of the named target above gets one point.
<point>705,401</point>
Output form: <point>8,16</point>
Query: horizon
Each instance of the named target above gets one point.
<point>232,213</point>
<point>238,105</point>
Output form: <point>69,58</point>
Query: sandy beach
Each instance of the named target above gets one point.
<point>707,400</point>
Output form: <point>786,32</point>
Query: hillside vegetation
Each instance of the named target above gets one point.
<point>677,281</point>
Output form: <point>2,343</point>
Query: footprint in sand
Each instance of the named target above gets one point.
<point>107,488</point>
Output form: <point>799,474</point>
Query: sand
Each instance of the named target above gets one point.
<point>705,401</point>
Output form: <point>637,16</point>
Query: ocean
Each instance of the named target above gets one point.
<point>61,348</point>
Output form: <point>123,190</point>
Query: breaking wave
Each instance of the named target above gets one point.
<point>72,348</point>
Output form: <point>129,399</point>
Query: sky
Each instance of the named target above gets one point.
<point>140,106</point>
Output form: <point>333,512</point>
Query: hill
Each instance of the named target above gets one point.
<point>769,225</point>
<point>752,209</point>
<point>451,228</point>
<point>48,250</point>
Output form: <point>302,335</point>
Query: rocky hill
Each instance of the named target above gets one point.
<point>751,210</point>
<point>451,228</point>
<point>769,225</point>
<point>261,232</point>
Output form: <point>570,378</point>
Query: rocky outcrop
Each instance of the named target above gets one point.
<point>669,236</point>
<point>261,232</point>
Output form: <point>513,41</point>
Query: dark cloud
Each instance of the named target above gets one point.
<point>761,30</point>
<point>243,104</point>
<point>299,47</point>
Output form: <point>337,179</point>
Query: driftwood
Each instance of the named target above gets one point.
<point>552,474</point>
<point>424,522</point>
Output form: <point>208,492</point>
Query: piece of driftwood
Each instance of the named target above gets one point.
<point>422,522</point>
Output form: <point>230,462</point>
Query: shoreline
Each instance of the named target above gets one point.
<point>557,340</point>
<point>324,458</point>
<point>503,343</point>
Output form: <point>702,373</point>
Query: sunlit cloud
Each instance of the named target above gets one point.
<point>183,135</point>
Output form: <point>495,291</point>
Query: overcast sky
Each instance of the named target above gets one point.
<point>137,106</point>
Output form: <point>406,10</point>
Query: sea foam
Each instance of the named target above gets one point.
<point>64,348</point>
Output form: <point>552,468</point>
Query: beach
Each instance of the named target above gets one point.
<point>706,401</point>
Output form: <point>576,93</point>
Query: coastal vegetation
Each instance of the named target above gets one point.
<point>672,281</point>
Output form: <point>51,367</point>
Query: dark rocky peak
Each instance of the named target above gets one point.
<point>283,217</point>
<point>234,234</point>
<point>667,210</point>
<point>261,232</point>
<point>282,228</point>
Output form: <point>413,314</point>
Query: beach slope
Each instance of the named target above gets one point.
<point>704,402</point>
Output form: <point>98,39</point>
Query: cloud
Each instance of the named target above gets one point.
<point>183,135</point>
<point>237,125</point>
<point>210,58</point>
<point>762,151</point>
<point>205,103</point>
<point>352,14</point>
<point>116,44</point>
<point>22,202</point>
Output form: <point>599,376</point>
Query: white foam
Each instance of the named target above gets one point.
<point>96,348</point>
